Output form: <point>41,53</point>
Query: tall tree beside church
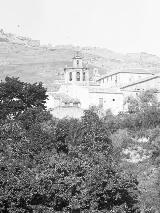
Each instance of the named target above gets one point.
<point>17,96</point>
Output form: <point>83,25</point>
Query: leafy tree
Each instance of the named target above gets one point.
<point>146,99</point>
<point>51,165</point>
<point>37,177</point>
<point>143,113</point>
<point>17,96</point>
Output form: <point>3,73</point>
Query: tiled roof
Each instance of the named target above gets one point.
<point>135,70</point>
<point>64,98</point>
<point>141,81</point>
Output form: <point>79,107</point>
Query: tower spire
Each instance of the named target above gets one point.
<point>77,53</point>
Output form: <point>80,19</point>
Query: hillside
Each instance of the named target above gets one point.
<point>26,58</point>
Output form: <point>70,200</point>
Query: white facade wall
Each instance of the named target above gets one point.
<point>112,101</point>
<point>52,102</point>
<point>110,81</point>
<point>78,92</point>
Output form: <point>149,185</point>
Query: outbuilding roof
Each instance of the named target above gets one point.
<point>64,98</point>
<point>130,70</point>
<point>141,81</point>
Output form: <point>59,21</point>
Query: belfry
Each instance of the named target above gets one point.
<point>77,74</point>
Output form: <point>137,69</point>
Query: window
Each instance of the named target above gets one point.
<point>77,62</point>
<point>66,104</point>
<point>113,99</point>
<point>84,76</point>
<point>70,76</point>
<point>100,102</point>
<point>116,79</point>
<point>78,76</point>
<point>75,104</point>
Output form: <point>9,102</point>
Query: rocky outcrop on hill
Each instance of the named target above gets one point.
<point>9,37</point>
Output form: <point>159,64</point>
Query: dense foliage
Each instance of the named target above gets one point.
<point>70,165</point>
<point>17,96</point>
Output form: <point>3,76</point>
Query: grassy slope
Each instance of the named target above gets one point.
<point>32,64</point>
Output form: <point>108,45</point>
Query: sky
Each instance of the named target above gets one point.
<point>120,25</point>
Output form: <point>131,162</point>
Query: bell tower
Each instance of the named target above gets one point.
<point>78,73</point>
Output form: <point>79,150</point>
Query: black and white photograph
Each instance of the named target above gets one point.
<point>79,106</point>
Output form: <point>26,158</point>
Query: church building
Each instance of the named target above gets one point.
<point>79,92</point>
